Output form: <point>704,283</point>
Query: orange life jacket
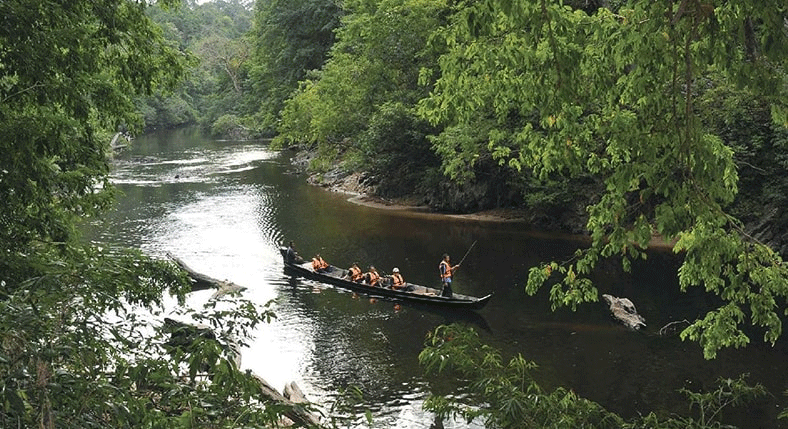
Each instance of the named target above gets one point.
<point>355,273</point>
<point>445,269</point>
<point>373,278</point>
<point>397,280</point>
<point>319,264</point>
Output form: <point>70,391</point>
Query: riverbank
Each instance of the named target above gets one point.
<point>355,186</point>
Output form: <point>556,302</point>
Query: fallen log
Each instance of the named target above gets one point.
<point>298,411</point>
<point>115,146</point>
<point>201,281</point>
<point>624,311</point>
<point>184,335</point>
<point>294,393</point>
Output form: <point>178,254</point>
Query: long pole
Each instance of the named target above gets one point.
<point>466,253</point>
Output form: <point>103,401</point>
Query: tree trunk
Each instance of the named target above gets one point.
<point>201,281</point>
<point>297,413</point>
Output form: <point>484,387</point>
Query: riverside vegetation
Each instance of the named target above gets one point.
<point>637,117</point>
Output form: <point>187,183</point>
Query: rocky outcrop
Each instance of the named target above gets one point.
<point>624,311</point>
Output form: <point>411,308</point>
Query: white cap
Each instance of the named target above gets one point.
<point>395,270</point>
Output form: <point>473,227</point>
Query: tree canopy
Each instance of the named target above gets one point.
<point>360,105</point>
<point>76,349</point>
<point>217,84</point>
<point>614,94</point>
<point>290,38</point>
<point>620,99</point>
<point>69,70</point>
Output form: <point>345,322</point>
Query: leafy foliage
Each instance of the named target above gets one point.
<point>744,122</point>
<point>503,394</point>
<point>290,38</point>
<point>79,347</point>
<point>376,60</point>
<point>78,350</point>
<point>506,395</point>
<point>396,151</point>
<point>613,95</point>
<point>62,82</point>
<point>359,106</point>
<point>217,83</point>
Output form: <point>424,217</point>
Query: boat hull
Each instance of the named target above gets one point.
<point>418,294</point>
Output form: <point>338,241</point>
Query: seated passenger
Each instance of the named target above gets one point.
<point>354,274</point>
<point>397,282</point>
<point>372,277</point>
<point>319,265</point>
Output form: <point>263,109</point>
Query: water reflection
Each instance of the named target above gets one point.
<point>225,208</point>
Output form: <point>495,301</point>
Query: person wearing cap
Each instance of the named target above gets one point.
<point>397,282</point>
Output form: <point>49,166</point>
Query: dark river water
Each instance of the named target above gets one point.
<point>224,208</point>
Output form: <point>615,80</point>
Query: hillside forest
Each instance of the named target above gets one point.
<point>622,120</point>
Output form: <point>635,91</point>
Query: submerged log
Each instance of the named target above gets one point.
<point>624,311</point>
<point>201,281</point>
<point>674,327</point>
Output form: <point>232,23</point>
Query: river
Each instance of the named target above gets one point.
<point>225,208</point>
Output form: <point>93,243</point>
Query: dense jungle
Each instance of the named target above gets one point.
<point>623,121</point>
<point>364,88</point>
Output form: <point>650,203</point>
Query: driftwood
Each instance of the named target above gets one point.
<point>673,327</point>
<point>201,281</point>
<point>115,146</point>
<point>294,393</point>
<point>624,311</point>
<point>297,412</point>
<point>183,335</point>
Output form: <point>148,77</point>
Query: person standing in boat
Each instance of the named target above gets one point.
<point>292,256</point>
<point>320,265</point>
<point>372,277</point>
<point>447,272</point>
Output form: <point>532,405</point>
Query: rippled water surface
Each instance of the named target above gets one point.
<point>224,208</point>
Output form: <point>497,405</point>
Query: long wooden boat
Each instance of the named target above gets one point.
<point>412,292</point>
